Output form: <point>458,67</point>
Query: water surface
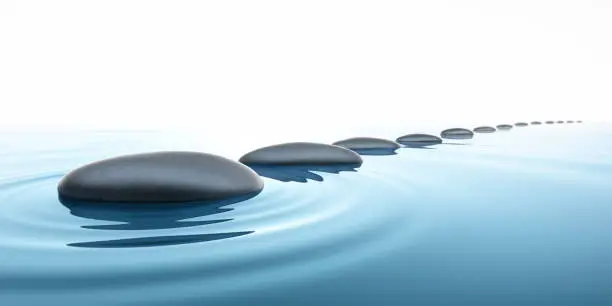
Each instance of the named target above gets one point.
<point>517,218</point>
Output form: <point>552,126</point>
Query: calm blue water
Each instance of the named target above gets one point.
<point>512,218</point>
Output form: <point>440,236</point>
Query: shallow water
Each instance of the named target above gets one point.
<point>511,218</point>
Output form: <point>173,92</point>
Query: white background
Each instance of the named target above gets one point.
<point>262,67</point>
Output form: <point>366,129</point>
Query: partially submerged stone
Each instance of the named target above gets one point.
<point>536,122</point>
<point>301,153</point>
<point>560,121</point>
<point>485,129</point>
<point>550,122</point>
<point>457,133</point>
<point>160,177</point>
<point>367,143</point>
<point>504,127</point>
<point>570,121</point>
<point>521,124</point>
<point>419,140</point>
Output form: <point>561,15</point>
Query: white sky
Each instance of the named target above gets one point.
<point>278,66</point>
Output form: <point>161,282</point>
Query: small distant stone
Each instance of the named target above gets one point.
<point>560,121</point>
<point>521,124</point>
<point>367,143</point>
<point>160,177</point>
<point>485,129</point>
<point>570,121</point>
<point>504,127</point>
<point>579,121</point>
<point>419,140</point>
<point>536,122</point>
<point>550,122</point>
<point>301,153</point>
<point>457,133</point>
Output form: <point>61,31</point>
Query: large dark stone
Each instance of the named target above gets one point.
<point>301,153</point>
<point>457,133</point>
<point>485,129</point>
<point>160,177</point>
<point>419,140</point>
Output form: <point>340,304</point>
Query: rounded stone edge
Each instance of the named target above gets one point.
<point>244,158</point>
<point>484,129</point>
<point>391,145</point>
<point>435,140</point>
<point>457,133</point>
<point>63,196</point>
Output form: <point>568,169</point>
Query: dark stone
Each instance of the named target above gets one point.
<point>457,133</point>
<point>367,145</point>
<point>504,127</point>
<point>536,122</point>
<point>521,124</point>
<point>560,121</point>
<point>419,140</point>
<point>160,177</point>
<point>301,153</point>
<point>570,121</point>
<point>550,122</point>
<point>485,129</point>
<point>579,121</point>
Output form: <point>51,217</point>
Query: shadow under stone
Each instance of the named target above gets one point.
<point>375,152</point>
<point>457,144</point>
<point>154,216</point>
<point>418,147</point>
<point>157,241</point>
<point>301,173</point>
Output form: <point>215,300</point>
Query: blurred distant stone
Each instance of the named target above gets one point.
<point>419,140</point>
<point>457,133</point>
<point>485,129</point>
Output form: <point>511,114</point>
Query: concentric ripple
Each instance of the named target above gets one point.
<point>522,214</point>
<point>291,231</point>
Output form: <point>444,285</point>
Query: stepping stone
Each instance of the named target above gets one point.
<point>457,133</point>
<point>419,140</point>
<point>301,153</point>
<point>367,143</point>
<point>485,129</point>
<point>504,127</point>
<point>160,177</point>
